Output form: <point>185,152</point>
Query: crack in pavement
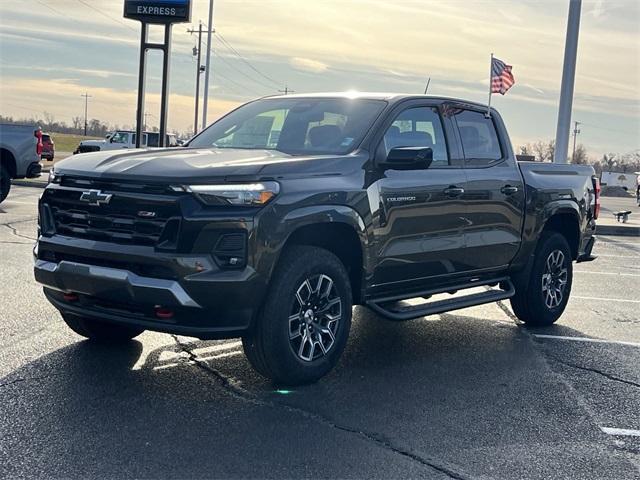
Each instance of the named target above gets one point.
<point>594,370</point>
<point>29,379</point>
<point>7,242</point>
<point>232,387</point>
<point>14,231</point>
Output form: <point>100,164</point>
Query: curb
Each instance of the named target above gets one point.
<point>626,231</point>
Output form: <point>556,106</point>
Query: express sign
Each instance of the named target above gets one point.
<point>158,11</point>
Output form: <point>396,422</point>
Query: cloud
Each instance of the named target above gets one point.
<point>308,65</point>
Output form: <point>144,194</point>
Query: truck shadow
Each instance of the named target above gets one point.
<point>92,410</point>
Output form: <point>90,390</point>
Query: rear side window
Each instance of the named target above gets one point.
<point>418,127</point>
<point>479,138</point>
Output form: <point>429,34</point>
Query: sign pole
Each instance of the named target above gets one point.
<point>142,71</point>
<point>157,12</point>
<point>164,99</point>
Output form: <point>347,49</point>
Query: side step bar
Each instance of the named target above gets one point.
<point>384,306</point>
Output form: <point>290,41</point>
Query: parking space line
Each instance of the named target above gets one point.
<point>621,431</point>
<point>600,299</point>
<point>586,339</point>
<point>608,273</point>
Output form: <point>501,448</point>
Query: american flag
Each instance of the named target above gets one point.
<point>501,76</point>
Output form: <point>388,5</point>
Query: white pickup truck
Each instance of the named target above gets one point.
<point>20,149</point>
<point>124,139</point>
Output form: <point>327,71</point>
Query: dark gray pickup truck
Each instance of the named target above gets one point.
<point>275,221</point>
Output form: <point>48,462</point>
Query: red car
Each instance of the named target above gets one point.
<point>48,147</point>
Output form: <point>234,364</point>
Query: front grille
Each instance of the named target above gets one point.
<point>129,217</point>
<point>110,227</point>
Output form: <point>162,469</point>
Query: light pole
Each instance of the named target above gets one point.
<point>205,104</point>
<point>568,79</point>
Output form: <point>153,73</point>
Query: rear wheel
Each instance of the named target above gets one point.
<point>304,324</point>
<point>545,297</point>
<point>100,331</point>
<point>5,183</point>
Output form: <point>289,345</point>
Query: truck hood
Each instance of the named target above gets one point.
<point>93,143</point>
<point>198,165</point>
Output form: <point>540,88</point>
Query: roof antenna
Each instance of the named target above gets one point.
<point>427,87</point>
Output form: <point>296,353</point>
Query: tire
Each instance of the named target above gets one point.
<point>543,300</point>
<point>99,331</point>
<point>5,183</point>
<point>304,323</point>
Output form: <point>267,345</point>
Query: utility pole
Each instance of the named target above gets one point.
<point>426,89</point>
<point>86,109</point>
<point>199,68</point>
<point>286,90</point>
<point>197,51</point>
<point>207,74</point>
<point>568,80</point>
<point>576,131</point>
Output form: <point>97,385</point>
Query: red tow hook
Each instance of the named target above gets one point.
<point>164,313</point>
<point>70,297</point>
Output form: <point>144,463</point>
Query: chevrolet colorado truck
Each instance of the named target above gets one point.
<point>271,224</point>
<point>20,150</point>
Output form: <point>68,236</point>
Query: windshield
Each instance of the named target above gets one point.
<point>297,126</point>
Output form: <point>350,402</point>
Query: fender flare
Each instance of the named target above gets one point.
<point>314,215</point>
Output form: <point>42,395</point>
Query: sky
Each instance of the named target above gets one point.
<point>52,51</point>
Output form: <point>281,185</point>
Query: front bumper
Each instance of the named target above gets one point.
<point>128,284</point>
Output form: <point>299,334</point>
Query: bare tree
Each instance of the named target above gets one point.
<point>580,155</point>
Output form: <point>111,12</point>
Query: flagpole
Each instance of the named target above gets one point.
<point>490,81</point>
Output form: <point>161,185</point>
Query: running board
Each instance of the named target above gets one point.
<point>384,306</point>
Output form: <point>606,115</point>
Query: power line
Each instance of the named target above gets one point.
<point>53,9</point>
<point>235,52</point>
<point>243,88</point>
<point>108,16</point>
<point>231,65</point>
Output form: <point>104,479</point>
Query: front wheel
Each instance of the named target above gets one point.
<point>305,322</point>
<point>545,297</point>
<point>99,331</point>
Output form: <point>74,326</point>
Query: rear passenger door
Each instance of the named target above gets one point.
<point>494,193</point>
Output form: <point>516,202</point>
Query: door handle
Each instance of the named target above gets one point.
<point>509,190</point>
<point>453,191</point>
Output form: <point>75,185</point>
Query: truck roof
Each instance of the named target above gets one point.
<point>387,96</point>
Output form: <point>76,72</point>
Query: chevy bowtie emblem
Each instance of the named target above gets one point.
<point>96,197</point>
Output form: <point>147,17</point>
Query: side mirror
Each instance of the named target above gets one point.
<point>408,158</point>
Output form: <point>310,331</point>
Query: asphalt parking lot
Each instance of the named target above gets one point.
<point>471,394</point>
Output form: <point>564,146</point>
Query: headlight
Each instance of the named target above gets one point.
<point>247,195</point>
<point>53,178</point>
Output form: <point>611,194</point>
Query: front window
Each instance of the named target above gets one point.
<point>297,126</point>
<point>120,137</point>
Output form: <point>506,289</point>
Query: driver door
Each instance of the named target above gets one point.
<point>420,221</point>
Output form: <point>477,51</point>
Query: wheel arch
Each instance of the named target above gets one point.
<point>338,229</point>
<point>566,221</point>
<point>8,160</point>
